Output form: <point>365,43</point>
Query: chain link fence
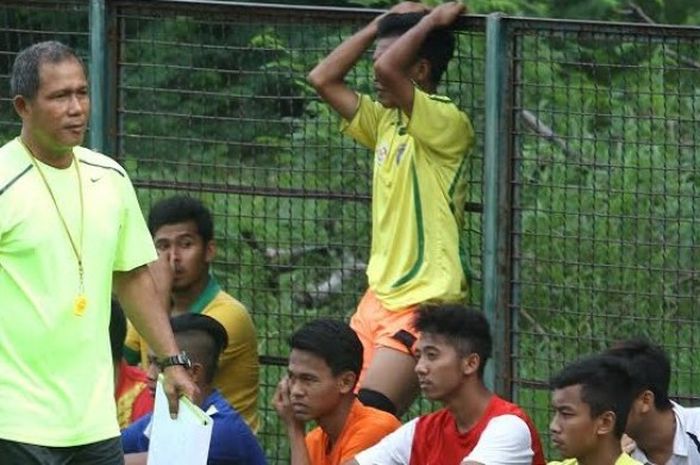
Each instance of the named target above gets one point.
<point>602,239</point>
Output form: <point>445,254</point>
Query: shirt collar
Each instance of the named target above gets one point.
<point>207,295</point>
<point>680,440</point>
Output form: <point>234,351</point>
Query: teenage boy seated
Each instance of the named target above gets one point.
<point>202,338</point>
<point>476,427</point>
<point>183,232</point>
<point>324,364</point>
<point>591,399</point>
<point>663,431</point>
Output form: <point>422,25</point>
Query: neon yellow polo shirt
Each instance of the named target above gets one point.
<point>418,193</point>
<point>238,372</point>
<point>56,375</point>
<point>623,459</point>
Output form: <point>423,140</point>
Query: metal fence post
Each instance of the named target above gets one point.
<point>100,78</point>
<point>496,208</point>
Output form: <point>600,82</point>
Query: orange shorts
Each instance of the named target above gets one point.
<point>378,327</point>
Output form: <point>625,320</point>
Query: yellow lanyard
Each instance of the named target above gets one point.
<point>80,302</point>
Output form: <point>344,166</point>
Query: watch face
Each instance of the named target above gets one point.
<point>181,359</point>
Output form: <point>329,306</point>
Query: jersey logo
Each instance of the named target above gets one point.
<point>399,153</point>
<point>381,153</point>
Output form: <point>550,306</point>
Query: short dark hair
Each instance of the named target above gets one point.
<point>202,337</point>
<point>438,47</point>
<point>333,341</point>
<point>179,209</point>
<point>606,385</point>
<point>650,367</point>
<point>117,330</point>
<point>465,328</point>
<point>25,79</point>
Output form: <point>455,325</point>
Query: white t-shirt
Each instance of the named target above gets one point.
<point>686,441</point>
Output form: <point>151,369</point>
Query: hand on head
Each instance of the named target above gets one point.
<point>282,403</point>
<point>409,7</point>
<point>446,13</point>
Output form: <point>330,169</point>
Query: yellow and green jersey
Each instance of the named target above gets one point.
<point>237,377</point>
<point>418,194</point>
<point>56,374</point>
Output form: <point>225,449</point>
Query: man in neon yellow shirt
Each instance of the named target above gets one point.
<point>591,400</point>
<point>71,231</point>
<point>420,142</point>
<point>183,230</point>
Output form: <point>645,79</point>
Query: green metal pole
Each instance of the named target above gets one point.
<point>496,202</point>
<point>98,75</point>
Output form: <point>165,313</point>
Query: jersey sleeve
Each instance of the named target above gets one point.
<point>135,245</point>
<point>364,125</point>
<point>394,449</point>
<point>505,441</point>
<point>370,434</point>
<point>440,126</point>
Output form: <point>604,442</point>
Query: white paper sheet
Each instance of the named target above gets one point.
<point>181,441</point>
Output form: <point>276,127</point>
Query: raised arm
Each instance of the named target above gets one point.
<point>328,77</point>
<point>391,67</point>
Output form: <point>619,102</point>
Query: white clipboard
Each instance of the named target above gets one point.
<point>184,440</point>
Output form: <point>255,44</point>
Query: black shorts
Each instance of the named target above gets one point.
<point>107,452</point>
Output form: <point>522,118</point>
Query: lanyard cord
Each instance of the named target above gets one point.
<point>77,248</point>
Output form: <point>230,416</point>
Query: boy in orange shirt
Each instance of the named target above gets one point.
<point>324,366</point>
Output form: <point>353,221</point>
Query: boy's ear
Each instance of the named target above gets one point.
<point>419,73</point>
<point>606,423</point>
<point>346,382</point>
<point>470,363</point>
<point>210,251</point>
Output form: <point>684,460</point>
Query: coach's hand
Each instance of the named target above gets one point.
<point>178,382</point>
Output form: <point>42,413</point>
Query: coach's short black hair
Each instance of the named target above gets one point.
<point>202,337</point>
<point>650,367</point>
<point>333,341</point>
<point>437,47</point>
<point>606,385</point>
<point>179,209</point>
<point>465,328</point>
<point>25,79</point>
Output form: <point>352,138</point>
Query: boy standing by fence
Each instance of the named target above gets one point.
<point>420,141</point>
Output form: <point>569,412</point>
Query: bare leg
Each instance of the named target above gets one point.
<point>391,372</point>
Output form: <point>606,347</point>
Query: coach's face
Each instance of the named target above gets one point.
<point>56,117</point>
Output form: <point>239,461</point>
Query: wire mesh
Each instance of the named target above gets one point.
<point>25,23</point>
<point>214,101</point>
<point>605,182</point>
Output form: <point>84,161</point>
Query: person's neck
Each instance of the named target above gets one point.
<point>607,453</point>
<point>183,299</point>
<point>333,423</point>
<point>656,439</point>
<point>468,404</point>
<point>58,159</point>
<point>204,393</point>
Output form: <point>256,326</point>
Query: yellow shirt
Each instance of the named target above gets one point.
<point>56,373</point>
<point>623,459</point>
<point>238,373</point>
<point>418,194</point>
